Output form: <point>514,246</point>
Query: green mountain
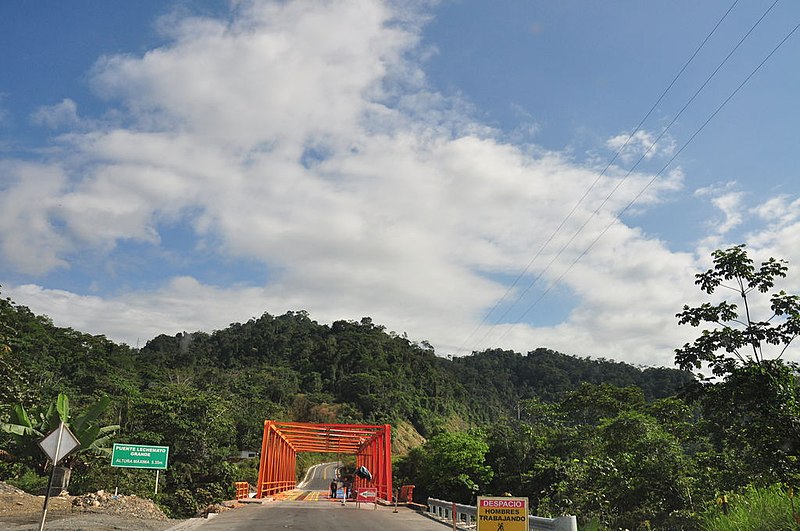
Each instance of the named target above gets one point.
<point>295,368</point>
<point>216,389</point>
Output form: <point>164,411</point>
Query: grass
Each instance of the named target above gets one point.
<point>768,508</point>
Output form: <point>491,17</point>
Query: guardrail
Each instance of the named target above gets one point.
<point>465,517</point>
<point>274,487</point>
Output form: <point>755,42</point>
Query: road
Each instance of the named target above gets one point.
<point>319,477</point>
<point>308,508</point>
<point>319,516</point>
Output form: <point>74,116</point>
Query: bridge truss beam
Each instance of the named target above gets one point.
<point>282,441</point>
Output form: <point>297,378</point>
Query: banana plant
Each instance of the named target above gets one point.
<point>25,429</point>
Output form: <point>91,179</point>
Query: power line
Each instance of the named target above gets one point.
<point>630,171</point>
<point>653,179</point>
<point>592,186</point>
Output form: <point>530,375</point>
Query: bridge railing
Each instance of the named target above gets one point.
<point>242,489</point>
<point>466,515</point>
<point>274,487</point>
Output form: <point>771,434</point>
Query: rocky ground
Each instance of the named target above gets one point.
<point>100,511</point>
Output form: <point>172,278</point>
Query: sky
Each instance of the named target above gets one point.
<point>513,174</point>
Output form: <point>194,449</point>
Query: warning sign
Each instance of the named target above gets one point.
<point>502,514</point>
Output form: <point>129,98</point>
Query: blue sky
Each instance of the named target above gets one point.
<point>181,166</point>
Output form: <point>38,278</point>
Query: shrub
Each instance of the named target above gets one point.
<point>30,482</point>
<point>178,504</point>
<point>754,509</point>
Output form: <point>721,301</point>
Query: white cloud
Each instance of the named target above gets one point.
<point>780,210</point>
<point>780,237</point>
<point>64,114</point>
<point>179,306</point>
<point>642,144</point>
<point>730,202</point>
<point>731,207</point>
<point>302,136</point>
<point>30,238</point>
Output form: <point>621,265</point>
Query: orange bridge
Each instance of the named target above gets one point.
<point>372,446</point>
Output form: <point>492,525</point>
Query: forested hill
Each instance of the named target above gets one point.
<point>206,395</point>
<point>548,375</point>
<point>380,375</point>
<point>292,367</point>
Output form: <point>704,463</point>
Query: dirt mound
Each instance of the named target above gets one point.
<point>129,506</point>
<point>98,511</point>
<point>5,488</point>
<point>17,503</point>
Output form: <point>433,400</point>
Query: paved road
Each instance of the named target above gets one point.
<point>319,477</point>
<point>319,516</point>
<point>318,513</point>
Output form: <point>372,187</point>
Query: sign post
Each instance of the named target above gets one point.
<point>140,456</point>
<point>56,444</point>
<point>502,514</point>
<point>367,495</point>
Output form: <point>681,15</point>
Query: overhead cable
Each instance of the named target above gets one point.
<point>592,186</point>
<point>653,179</point>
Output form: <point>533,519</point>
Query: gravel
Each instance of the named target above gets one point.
<point>100,511</point>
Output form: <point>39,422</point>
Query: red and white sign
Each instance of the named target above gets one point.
<point>366,495</point>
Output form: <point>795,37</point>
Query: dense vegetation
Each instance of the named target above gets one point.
<point>207,395</point>
<point>617,445</point>
<point>722,454</point>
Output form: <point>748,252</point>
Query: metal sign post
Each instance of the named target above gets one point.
<point>140,456</point>
<point>56,444</point>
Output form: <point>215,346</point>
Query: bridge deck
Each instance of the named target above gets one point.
<point>320,516</point>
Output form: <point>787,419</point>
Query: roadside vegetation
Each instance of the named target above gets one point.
<point>770,508</point>
<point>618,446</point>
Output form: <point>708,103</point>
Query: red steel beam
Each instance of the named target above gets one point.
<point>282,441</point>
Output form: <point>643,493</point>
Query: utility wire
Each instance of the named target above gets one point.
<point>594,183</point>
<point>653,179</point>
<point>630,171</point>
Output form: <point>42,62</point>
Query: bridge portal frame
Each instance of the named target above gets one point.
<point>282,441</point>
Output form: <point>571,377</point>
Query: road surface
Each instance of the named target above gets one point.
<point>308,508</point>
<point>319,516</point>
<point>319,477</point>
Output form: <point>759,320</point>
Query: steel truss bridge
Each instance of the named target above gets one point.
<point>282,441</point>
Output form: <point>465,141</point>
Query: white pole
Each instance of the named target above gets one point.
<point>52,474</point>
<point>157,471</point>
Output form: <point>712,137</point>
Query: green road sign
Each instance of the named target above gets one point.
<point>140,456</point>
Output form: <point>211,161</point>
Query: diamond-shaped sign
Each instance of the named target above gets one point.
<point>58,443</point>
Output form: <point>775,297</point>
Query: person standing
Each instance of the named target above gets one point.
<point>333,489</point>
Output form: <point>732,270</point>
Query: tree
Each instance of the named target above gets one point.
<point>200,430</point>
<point>752,406</point>
<point>737,337</point>
<point>523,452</point>
<point>450,466</point>
<point>624,470</point>
<point>651,479</point>
<point>14,386</point>
<point>591,403</point>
